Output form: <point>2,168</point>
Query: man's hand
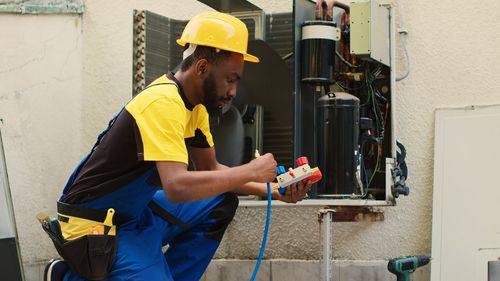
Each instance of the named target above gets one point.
<point>264,168</point>
<point>294,192</point>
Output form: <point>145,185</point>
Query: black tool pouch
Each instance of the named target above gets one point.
<point>87,243</point>
<point>90,256</point>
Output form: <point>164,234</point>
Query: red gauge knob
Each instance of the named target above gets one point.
<point>316,176</point>
<point>301,161</point>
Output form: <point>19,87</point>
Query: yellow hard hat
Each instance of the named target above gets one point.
<point>217,30</point>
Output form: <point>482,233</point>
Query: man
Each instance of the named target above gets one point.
<point>134,187</point>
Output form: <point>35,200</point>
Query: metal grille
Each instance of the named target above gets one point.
<point>279,34</point>
<point>155,49</point>
<point>278,137</point>
<point>139,57</point>
<point>250,23</point>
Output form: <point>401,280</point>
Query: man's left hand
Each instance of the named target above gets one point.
<point>294,192</point>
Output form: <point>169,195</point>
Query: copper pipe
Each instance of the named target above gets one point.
<point>342,6</point>
<point>324,6</point>
<point>319,10</point>
<point>329,10</point>
<point>337,4</point>
<point>347,54</point>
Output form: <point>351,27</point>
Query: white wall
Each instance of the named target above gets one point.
<point>40,91</point>
<point>63,76</point>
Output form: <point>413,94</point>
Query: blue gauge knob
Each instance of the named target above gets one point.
<point>280,170</point>
<point>282,190</point>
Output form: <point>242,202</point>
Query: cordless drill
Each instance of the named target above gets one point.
<point>403,267</point>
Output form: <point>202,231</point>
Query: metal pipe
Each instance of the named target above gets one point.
<point>326,217</point>
<point>392,36</point>
<point>329,10</point>
<point>333,3</point>
<point>319,10</point>
<point>342,6</point>
<point>324,7</point>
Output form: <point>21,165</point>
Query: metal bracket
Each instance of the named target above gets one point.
<point>352,214</point>
<point>386,3</point>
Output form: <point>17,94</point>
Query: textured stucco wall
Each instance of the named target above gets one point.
<point>62,77</point>
<point>40,86</point>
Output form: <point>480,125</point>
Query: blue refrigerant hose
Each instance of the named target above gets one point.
<point>266,230</point>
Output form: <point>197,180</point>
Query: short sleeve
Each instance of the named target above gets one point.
<point>161,126</point>
<point>202,136</point>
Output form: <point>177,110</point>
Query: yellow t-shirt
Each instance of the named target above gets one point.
<point>156,125</point>
<point>167,122</point>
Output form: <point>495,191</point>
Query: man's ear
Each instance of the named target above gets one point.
<point>202,68</point>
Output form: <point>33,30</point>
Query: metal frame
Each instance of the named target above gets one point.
<point>10,208</point>
<point>259,18</point>
<point>304,9</point>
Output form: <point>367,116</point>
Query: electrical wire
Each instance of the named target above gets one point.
<point>379,120</point>
<point>266,231</point>
<point>376,166</point>
<point>344,60</point>
<point>402,31</point>
<point>403,42</point>
<point>384,124</point>
<point>371,101</point>
<point>370,98</point>
<point>348,88</point>
<point>363,170</point>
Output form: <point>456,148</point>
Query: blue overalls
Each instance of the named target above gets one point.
<point>192,231</point>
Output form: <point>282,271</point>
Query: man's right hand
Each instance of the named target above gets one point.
<point>264,168</point>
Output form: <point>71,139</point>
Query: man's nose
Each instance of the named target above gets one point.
<point>232,91</point>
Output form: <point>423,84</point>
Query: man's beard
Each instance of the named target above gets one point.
<point>211,100</point>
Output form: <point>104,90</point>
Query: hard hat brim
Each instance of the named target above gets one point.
<point>246,57</point>
<point>250,58</point>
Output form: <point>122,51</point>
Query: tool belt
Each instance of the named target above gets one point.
<point>85,238</point>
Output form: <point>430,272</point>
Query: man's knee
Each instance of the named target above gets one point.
<point>223,214</point>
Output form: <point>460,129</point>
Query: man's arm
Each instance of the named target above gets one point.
<point>204,159</point>
<point>294,193</point>
<point>181,185</point>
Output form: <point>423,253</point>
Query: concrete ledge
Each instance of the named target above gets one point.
<point>281,270</point>
<point>43,7</point>
<point>300,270</point>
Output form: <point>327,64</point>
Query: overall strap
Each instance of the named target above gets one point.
<point>99,138</point>
<point>84,160</point>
